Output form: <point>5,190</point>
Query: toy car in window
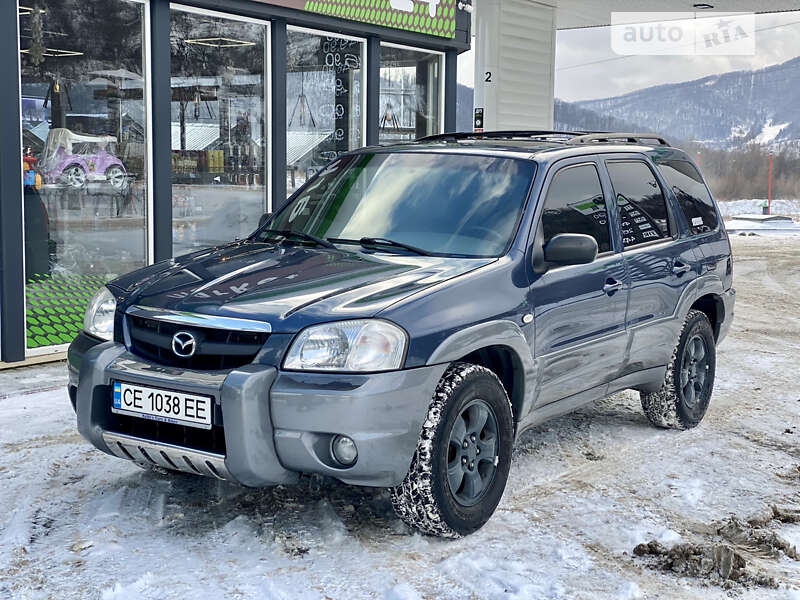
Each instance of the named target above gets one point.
<point>75,159</point>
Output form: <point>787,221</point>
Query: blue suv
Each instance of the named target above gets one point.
<point>410,311</point>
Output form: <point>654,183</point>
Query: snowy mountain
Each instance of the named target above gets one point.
<point>728,111</point>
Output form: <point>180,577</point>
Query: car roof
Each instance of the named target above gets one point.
<point>539,146</point>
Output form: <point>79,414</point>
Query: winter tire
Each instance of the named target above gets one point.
<point>460,467</point>
<point>683,398</point>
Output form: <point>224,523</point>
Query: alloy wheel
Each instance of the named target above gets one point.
<point>472,453</point>
<point>116,177</point>
<point>75,176</point>
<point>694,370</point>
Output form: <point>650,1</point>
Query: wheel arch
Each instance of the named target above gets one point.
<point>713,307</point>
<point>501,347</point>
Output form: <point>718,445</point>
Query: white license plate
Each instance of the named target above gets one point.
<point>162,405</point>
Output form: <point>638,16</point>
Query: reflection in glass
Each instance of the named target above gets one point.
<point>219,135</point>
<point>439,203</point>
<point>410,98</point>
<point>575,204</point>
<point>641,206</point>
<point>84,161</point>
<point>324,113</point>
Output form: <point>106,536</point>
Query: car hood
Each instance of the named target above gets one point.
<point>288,286</point>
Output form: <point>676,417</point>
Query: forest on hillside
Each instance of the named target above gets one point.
<point>732,174</point>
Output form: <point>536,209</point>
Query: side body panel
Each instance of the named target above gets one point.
<point>659,273</point>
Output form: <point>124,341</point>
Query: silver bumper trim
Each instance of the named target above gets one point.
<point>199,320</point>
<point>167,456</point>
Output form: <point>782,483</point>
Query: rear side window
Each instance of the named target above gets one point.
<point>642,208</point>
<point>575,204</point>
<point>692,194</point>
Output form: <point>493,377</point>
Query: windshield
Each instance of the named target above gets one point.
<point>446,204</point>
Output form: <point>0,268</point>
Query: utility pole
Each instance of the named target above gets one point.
<point>769,187</point>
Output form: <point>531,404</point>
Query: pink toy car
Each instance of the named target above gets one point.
<point>75,159</point>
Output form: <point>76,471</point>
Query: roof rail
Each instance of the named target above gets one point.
<point>624,138</point>
<point>499,135</point>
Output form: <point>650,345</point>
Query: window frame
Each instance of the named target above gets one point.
<point>149,170</point>
<point>364,76</point>
<point>556,171</point>
<point>442,71</point>
<point>671,221</point>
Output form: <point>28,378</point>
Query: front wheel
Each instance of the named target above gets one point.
<point>460,467</point>
<point>74,176</point>
<point>116,176</point>
<point>683,398</point>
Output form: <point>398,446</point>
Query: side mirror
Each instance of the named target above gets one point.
<point>571,249</point>
<point>264,218</point>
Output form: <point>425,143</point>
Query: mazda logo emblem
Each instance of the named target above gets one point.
<point>184,344</point>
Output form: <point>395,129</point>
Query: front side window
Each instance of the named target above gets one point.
<point>641,205</point>
<point>444,204</point>
<point>575,204</point>
<point>692,194</point>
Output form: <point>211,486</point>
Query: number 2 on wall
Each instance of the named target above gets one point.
<point>488,77</point>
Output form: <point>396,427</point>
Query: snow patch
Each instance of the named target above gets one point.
<point>402,591</point>
<point>769,132</point>
<point>732,208</point>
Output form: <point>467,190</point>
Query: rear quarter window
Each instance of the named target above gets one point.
<point>641,205</point>
<point>692,194</point>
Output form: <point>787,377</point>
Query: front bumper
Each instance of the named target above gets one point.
<point>275,424</point>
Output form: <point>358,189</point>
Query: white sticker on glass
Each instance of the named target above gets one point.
<point>697,221</point>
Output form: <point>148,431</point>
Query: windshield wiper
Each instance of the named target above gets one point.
<point>299,235</point>
<point>373,241</point>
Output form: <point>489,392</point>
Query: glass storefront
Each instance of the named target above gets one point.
<point>324,101</point>
<point>219,131</point>
<point>86,104</point>
<point>411,93</point>
<point>84,134</point>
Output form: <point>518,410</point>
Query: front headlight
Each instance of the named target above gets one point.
<point>99,318</point>
<point>363,345</point>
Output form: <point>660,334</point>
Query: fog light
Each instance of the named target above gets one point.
<point>344,450</point>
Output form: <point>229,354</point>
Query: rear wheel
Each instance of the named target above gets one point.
<point>683,398</point>
<point>460,468</point>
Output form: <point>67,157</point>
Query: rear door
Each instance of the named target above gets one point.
<point>659,264</point>
<point>579,310</point>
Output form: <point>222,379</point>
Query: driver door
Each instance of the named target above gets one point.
<point>579,310</point>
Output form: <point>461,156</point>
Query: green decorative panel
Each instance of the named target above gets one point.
<point>380,12</point>
<point>55,307</point>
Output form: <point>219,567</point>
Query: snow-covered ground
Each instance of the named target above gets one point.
<point>752,206</point>
<point>585,489</point>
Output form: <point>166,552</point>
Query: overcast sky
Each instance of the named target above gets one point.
<point>587,68</point>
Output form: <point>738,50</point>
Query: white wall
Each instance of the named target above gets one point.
<point>515,42</point>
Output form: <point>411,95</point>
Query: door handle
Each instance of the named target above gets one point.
<point>612,286</point>
<point>680,267</point>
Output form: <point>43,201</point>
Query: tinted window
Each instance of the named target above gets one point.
<point>575,204</point>
<point>443,203</point>
<point>692,194</point>
<point>640,202</point>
